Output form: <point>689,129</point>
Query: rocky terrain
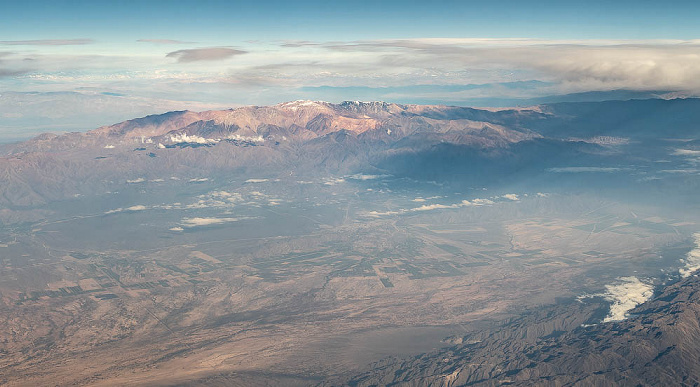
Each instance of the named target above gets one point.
<point>564,345</point>
<point>311,242</point>
<point>306,138</point>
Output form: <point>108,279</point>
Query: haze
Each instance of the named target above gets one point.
<point>365,194</point>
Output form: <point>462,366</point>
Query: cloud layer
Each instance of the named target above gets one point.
<point>204,54</point>
<point>162,41</point>
<point>47,42</point>
<point>479,72</point>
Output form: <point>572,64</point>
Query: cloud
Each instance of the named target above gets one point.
<point>360,176</point>
<point>431,207</point>
<point>204,54</point>
<point>5,73</point>
<point>256,180</point>
<point>14,70</point>
<point>383,213</point>
<point>334,181</point>
<point>692,259</point>
<point>138,180</point>
<point>481,72</point>
<point>625,296</point>
<point>47,42</point>
<point>575,65</point>
<point>138,207</point>
<point>299,43</point>
<point>481,202</point>
<point>163,41</point>
<point>194,139</point>
<point>199,222</point>
<point>584,169</point>
<point>680,171</point>
<point>686,152</point>
<point>512,197</point>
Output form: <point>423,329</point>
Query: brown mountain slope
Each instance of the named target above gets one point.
<point>297,136</point>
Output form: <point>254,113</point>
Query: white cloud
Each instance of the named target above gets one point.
<point>177,229</point>
<point>680,171</point>
<point>47,42</point>
<point>138,207</point>
<point>624,296</point>
<point>584,169</point>
<point>163,41</point>
<point>136,83</point>
<point>360,176</point>
<point>256,180</point>
<point>481,202</point>
<point>418,200</point>
<point>692,259</point>
<point>430,207</point>
<point>573,64</point>
<point>383,213</point>
<point>198,222</point>
<point>334,181</point>
<point>512,197</point>
<point>204,54</point>
<point>109,146</point>
<point>686,152</point>
<point>238,137</point>
<point>134,181</point>
<point>185,138</point>
<point>199,180</point>
<point>194,139</point>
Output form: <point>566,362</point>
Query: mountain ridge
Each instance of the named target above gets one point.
<point>300,137</point>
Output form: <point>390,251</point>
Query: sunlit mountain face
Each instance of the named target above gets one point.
<point>365,195</point>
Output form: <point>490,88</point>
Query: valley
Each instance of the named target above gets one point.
<point>302,243</point>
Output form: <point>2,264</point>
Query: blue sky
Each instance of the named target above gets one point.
<point>73,65</point>
<point>221,21</point>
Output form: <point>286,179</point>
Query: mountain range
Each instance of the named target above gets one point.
<point>301,138</point>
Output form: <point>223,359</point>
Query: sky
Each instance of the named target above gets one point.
<point>76,65</point>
